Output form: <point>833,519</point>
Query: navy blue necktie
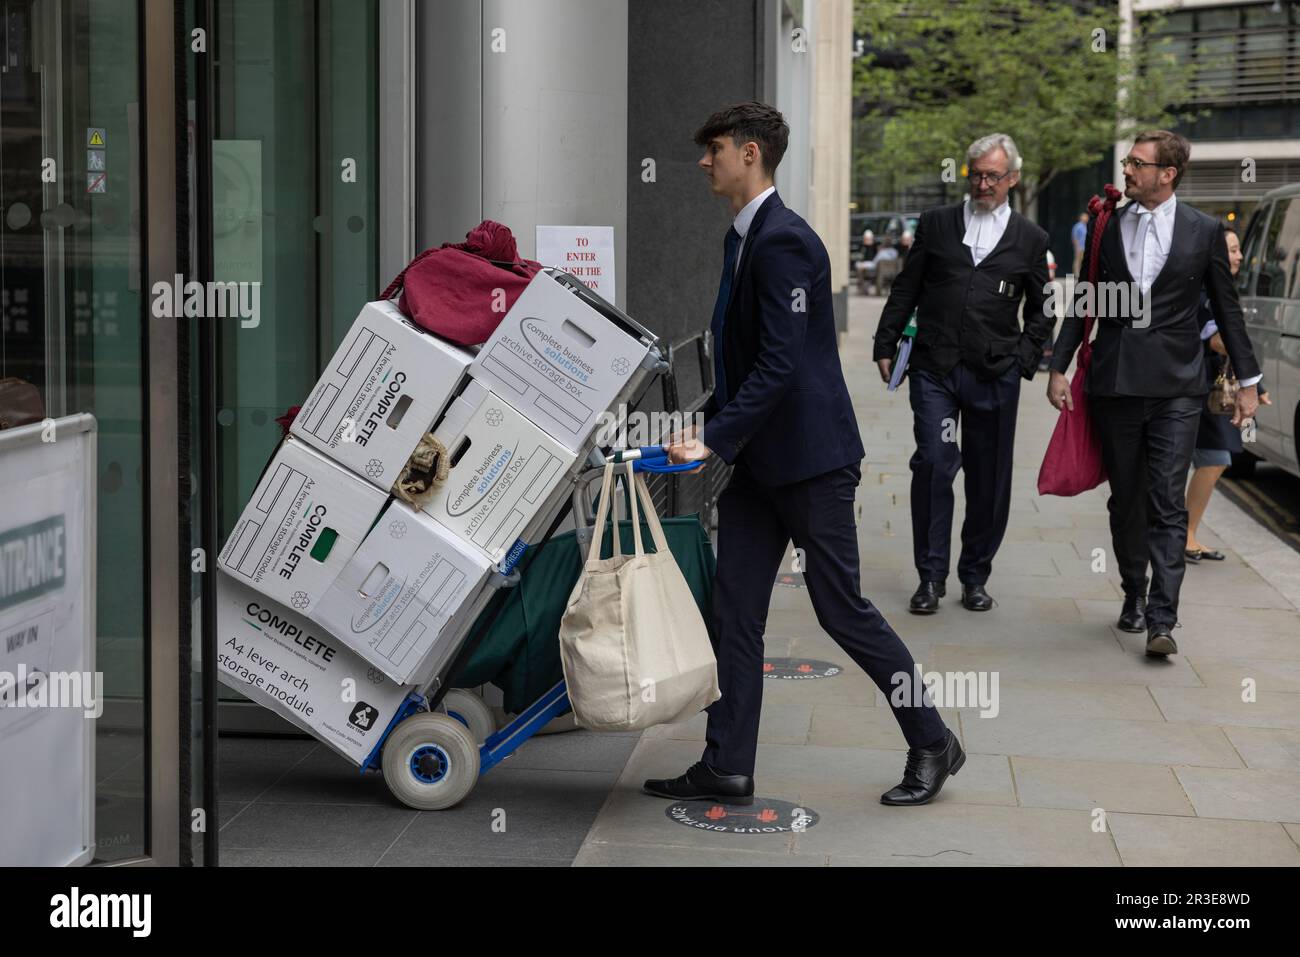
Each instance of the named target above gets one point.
<point>730,246</point>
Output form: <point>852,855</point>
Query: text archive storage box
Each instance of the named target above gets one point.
<point>385,387</point>
<point>284,662</point>
<point>304,521</point>
<point>394,599</point>
<point>559,361</point>
<point>503,469</point>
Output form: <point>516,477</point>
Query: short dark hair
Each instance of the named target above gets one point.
<point>1172,149</point>
<point>750,121</point>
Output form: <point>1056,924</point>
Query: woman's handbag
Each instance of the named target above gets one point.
<point>634,647</point>
<point>1073,462</point>
<point>1222,399</point>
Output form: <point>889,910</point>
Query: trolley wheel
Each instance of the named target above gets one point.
<point>430,762</point>
<point>470,710</point>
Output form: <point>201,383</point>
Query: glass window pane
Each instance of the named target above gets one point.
<point>1226,18</point>
<point>72,313</point>
<point>1250,248</point>
<point>1273,256</point>
<point>295,207</point>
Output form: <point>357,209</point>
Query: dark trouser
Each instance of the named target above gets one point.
<point>1147,447</point>
<point>986,410</point>
<point>755,523</point>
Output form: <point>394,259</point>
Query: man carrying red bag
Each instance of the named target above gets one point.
<point>1146,382</point>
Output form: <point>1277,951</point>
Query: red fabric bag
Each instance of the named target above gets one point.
<point>452,290</point>
<point>1073,462</point>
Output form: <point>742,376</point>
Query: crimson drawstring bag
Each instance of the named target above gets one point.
<point>1073,462</point>
<point>462,291</point>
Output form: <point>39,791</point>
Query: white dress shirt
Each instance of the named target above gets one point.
<point>984,230</point>
<point>1148,235</point>
<point>745,219</point>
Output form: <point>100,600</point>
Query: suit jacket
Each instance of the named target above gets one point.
<point>967,313</point>
<point>1165,358</point>
<point>789,416</point>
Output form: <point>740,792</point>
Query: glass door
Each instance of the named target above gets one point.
<point>294,206</point>
<point>71,313</point>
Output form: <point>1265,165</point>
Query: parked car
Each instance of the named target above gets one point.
<point>1269,287</point>
<point>880,224</point>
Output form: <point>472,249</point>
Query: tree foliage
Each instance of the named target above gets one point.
<point>938,74</point>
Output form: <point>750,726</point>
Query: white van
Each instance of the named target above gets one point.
<point>1269,286</point>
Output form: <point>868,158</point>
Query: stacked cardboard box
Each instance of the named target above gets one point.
<point>558,361</point>
<point>319,511</point>
<point>290,665</point>
<point>321,546</point>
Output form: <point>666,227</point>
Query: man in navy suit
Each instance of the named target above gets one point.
<point>781,414</point>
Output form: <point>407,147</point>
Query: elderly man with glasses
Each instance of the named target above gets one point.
<point>971,266</point>
<point>1147,383</point>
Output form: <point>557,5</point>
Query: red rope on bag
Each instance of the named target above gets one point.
<point>396,284</point>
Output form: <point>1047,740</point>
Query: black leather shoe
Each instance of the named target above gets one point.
<point>925,600</point>
<point>926,773</point>
<point>1133,616</point>
<point>976,598</point>
<point>1160,643</point>
<point>702,782</point>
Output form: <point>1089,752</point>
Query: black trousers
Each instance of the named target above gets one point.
<point>755,523</point>
<point>986,410</point>
<point>1147,447</point>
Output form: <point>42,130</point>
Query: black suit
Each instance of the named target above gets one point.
<point>1146,386</point>
<point>967,313</point>
<point>968,358</point>
<point>788,426</point>
<point>1163,359</point>
<point>789,416</point>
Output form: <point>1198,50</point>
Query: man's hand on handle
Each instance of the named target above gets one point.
<point>685,435</point>
<point>1058,391</point>
<point>688,450</point>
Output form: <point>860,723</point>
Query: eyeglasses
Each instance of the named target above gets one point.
<point>1138,164</point>
<point>991,178</point>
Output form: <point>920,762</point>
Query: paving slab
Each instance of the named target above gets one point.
<point>1111,785</point>
<point>1150,840</point>
<point>1248,795</point>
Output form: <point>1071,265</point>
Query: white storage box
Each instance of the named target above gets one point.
<point>385,387</point>
<point>304,521</point>
<point>393,602</point>
<point>284,662</point>
<point>558,361</point>
<point>507,467</point>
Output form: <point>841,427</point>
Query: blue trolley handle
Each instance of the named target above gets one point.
<point>651,458</point>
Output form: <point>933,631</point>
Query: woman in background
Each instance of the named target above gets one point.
<point>1216,439</point>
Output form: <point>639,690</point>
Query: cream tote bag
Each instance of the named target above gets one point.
<point>634,647</point>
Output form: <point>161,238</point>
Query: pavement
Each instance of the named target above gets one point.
<point>1082,751</point>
